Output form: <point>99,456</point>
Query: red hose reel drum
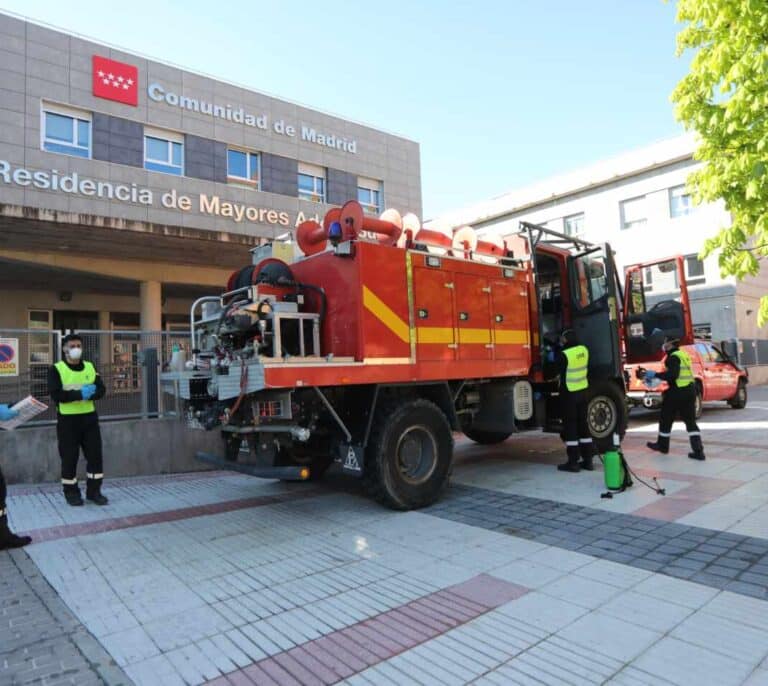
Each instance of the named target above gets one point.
<point>353,220</point>
<point>311,236</point>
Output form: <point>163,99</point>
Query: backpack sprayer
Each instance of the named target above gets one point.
<point>618,474</point>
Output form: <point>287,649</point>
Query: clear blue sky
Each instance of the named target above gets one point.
<point>498,94</point>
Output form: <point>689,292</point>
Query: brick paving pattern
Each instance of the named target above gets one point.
<point>520,575</point>
<point>342,653</point>
<point>41,642</point>
<point>116,523</point>
<point>714,558</point>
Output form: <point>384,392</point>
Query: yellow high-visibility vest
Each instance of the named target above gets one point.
<point>74,381</point>
<point>576,372</point>
<point>685,378</point>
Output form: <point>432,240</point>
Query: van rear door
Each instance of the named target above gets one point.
<point>648,317</point>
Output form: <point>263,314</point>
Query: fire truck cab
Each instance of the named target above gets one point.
<point>576,285</point>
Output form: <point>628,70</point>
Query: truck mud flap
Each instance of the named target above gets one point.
<point>351,458</point>
<point>260,471</point>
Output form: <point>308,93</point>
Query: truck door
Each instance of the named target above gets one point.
<point>646,324</point>
<point>433,303</point>
<point>595,295</point>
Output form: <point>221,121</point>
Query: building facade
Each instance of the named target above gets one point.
<point>638,203</point>
<point>129,187</point>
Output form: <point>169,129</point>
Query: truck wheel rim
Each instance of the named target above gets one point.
<point>742,393</point>
<point>699,404</point>
<point>601,416</point>
<point>416,454</point>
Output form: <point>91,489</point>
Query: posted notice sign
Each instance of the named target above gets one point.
<point>9,357</point>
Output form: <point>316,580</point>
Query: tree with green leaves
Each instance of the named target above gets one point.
<point>724,99</point>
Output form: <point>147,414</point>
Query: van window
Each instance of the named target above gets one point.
<point>714,354</point>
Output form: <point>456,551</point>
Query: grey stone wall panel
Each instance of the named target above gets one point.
<point>58,68</point>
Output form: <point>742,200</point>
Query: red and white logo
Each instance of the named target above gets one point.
<point>115,80</point>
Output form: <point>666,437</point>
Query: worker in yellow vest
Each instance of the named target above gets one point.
<point>74,384</point>
<point>679,398</point>
<point>8,539</point>
<point>573,363</point>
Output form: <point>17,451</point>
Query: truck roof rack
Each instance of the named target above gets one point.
<point>536,233</point>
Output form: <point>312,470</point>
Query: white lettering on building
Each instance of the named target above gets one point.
<point>330,141</point>
<point>75,184</point>
<point>158,93</point>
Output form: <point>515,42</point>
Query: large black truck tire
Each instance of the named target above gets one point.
<point>410,454</point>
<point>606,413</point>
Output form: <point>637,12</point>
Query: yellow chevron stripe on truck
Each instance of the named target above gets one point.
<point>439,335</point>
<point>379,309</point>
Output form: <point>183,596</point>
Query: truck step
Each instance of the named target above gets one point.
<point>260,471</point>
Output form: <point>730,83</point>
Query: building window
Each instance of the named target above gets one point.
<point>369,195</point>
<point>574,225</point>
<point>680,203</point>
<point>311,182</point>
<point>648,279</point>
<point>633,213</point>
<point>243,167</point>
<point>66,131</point>
<point>702,331</point>
<point>694,270</point>
<point>163,152</point>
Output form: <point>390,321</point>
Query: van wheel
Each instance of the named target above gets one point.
<point>486,437</point>
<point>410,454</point>
<point>606,414</point>
<point>739,401</point>
<point>699,402</point>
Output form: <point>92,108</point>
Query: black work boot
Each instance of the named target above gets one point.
<point>697,448</point>
<point>661,445</point>
<point>573,460</point>
<point>587,451</point>
<point>73,496</point>
<point>93,492</point>
<point>8,539</point>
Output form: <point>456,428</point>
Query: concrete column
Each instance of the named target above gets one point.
<point>151,307</point>
<point>104,340</point>
<point>150,319</point>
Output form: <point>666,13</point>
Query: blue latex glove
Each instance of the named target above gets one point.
<point>550,356</point>
<point>650,374</point>
<point>88,391</point>
<point>7,413</point>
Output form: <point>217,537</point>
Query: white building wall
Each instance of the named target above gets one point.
<point>597,191</point>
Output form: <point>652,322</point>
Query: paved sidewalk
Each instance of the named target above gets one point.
<point>521,574</point>
<point>40,639</point>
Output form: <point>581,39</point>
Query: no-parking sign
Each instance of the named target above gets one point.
<point>9,357</point>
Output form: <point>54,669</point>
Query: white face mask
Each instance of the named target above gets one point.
<point>74,353</point>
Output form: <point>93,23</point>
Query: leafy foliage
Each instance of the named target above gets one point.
<point>724,99</point>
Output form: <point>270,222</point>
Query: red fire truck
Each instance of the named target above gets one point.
<point>384,338</point>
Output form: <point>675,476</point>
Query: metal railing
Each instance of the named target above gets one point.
<point>129,363</point>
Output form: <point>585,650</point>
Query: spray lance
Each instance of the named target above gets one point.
<point>618,474</point>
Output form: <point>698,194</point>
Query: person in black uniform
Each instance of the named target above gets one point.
<point>679,398</point>
<point>573,365</point>
<point>73,385</point>
<point>7,538</point>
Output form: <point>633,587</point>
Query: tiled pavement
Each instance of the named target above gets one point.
<point>225,579</point>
